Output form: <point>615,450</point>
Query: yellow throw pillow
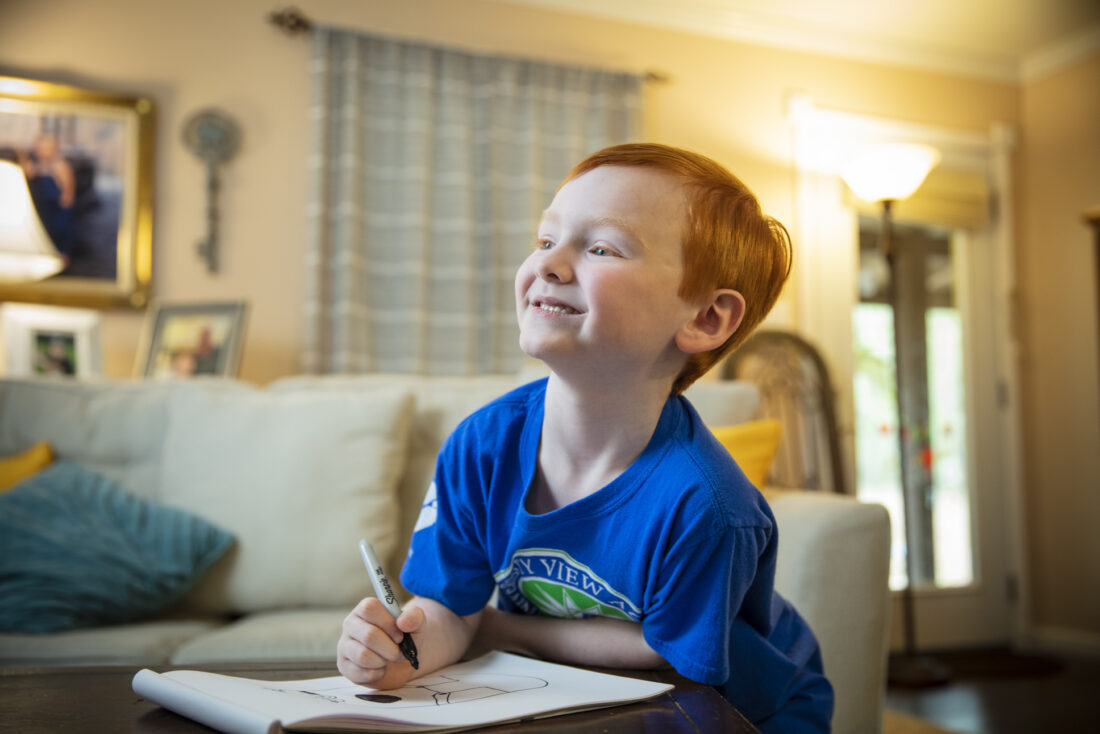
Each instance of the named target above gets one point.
<point>14,469</point>
<point>752,445</point>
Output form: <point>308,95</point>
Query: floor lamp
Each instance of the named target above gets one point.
<point>885,174</point>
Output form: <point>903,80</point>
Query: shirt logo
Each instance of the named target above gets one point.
<point>428,510</point>
<point>551,582</point>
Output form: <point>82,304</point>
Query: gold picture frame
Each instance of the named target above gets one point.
<point>88,156</point>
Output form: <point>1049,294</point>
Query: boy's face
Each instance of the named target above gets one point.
<point>601,286</point>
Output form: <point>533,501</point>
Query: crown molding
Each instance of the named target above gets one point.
<point>708,19</point>
<point>1058,56</point>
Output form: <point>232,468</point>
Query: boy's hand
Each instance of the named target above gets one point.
<point>367,652</point>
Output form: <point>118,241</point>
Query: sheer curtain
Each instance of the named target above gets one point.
<point>428,171</point>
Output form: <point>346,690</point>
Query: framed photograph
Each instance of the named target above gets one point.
<point>47,341</point>
<point>188,339</point>
<point>88,158</point>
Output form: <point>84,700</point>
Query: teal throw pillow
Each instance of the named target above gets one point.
<point>78,550</point>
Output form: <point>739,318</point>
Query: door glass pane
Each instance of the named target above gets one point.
<point>950,498</point>
<point>933,390</point>
<point>878,469</point>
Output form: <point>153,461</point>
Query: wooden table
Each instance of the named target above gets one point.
<point>100,699</point>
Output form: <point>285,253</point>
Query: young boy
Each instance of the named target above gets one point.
<point>616,529</point>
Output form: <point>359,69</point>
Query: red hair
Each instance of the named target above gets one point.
<point>728,241</point>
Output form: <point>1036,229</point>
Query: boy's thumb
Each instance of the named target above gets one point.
<point>411,619</point>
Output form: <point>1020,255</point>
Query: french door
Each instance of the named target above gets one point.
<point>961,581</point>
<point>970,586</point>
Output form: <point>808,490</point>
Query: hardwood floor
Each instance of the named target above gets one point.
<point>998,692</point>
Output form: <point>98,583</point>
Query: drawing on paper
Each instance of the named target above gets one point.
<point>435,690</point>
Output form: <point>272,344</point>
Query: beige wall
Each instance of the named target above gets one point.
<point>1059,180</point>
<point>187,56</point>
<point>722,98</point>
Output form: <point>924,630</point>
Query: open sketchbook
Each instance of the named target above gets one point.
<point>496,688</point>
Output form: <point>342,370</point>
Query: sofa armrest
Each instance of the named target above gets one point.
<point>833,566</point>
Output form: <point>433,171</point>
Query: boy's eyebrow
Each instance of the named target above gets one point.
<point>604,221</point>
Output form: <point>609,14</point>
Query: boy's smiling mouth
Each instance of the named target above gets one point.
<point>550,305</point>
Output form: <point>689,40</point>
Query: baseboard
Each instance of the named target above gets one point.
<point>1062,640</point>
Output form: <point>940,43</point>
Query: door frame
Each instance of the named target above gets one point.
<point>826,242</point>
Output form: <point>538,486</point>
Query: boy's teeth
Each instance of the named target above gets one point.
<point>556,309</point>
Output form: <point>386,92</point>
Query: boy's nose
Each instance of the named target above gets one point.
<point>554,266</point>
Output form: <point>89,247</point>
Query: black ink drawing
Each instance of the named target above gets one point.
<point>436,690</point>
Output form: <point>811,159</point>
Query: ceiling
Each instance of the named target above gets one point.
<point>1005,40</point>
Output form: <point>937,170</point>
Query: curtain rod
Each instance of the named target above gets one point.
<point>290,21</point>
<point>293,22</point>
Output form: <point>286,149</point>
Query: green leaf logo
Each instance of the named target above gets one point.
<point>551,582</point>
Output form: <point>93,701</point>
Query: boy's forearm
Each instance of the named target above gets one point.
<point>596,641</point>
<point>444,636</point>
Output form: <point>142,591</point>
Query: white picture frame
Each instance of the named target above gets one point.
<point>50,341</point>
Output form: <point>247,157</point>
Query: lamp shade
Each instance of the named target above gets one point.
<point>26,251</point>
<point>889,171</point>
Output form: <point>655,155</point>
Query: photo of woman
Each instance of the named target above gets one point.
<point>74,166</point>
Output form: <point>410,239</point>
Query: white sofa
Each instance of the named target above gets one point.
<point>299,470</point>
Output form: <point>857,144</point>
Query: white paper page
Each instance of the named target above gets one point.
<point>215,710</point>
<point>494,688</point>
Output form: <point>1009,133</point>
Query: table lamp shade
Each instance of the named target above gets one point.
<point>890,171</point>
<point>26,250</point>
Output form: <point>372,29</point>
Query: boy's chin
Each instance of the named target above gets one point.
<point>537,350</point>
<point>555,354</point>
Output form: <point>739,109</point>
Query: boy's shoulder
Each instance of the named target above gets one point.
<point>707,482</point>
<point>511,408</point>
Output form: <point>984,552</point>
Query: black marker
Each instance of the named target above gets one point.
<point>384,592</point>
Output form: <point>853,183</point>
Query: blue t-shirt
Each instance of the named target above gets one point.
<point>680,542</point>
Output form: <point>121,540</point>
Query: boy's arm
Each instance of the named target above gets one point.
<point>597,641</point>
<point>367,652</point>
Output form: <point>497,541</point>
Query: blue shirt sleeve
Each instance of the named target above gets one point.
<point>447,559</point>
<point>707,578</point>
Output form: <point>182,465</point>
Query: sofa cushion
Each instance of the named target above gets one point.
<point>301,635</point>
<point>77,550</point>
<point>441,404</point>
<point>142,643</point>
<point>300,476</point>
<point>752,445</point>
<point>14,469</point>
<point>724,402</point>
<point>114,428</point>
<point>833,565</point>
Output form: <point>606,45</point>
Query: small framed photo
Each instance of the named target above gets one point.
<point>183,340</point>
<point>48,341</point>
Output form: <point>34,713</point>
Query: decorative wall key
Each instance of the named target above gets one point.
<point>214,137</point>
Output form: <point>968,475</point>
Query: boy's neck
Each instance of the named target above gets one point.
<point>590,435</point>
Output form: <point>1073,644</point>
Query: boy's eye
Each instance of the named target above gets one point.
<point>543,245</point>
<point>600,251</point>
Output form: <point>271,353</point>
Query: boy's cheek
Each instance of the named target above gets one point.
<point>525,276</point>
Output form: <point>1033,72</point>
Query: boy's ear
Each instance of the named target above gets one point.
<point>713,324</point>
